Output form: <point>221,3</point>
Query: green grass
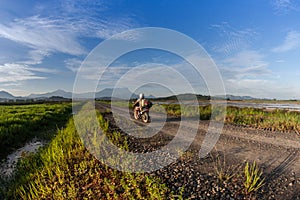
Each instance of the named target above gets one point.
<point>223,170</point>
<point>276,120</point>
<point>20,123</point>
<point>253,178</point>
<point>249,177</point>
<point>64,169</point>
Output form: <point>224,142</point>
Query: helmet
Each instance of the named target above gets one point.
<point>141,96</point>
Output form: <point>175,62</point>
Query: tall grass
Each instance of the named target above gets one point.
<point>276,120</point>
<point>185,110</point>
<point>253,178</point>
<point>20,123</point>
<point>66,170</point>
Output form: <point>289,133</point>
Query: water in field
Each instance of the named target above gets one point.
<point>283,106</point>
<point>8,165</point>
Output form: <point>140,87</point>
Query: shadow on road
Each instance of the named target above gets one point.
<point>282,167</point>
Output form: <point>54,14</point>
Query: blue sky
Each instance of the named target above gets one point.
<point>255,43</point>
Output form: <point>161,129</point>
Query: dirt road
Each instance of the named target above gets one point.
<point>278,155</point>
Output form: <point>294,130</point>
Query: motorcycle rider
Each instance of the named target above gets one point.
<point>139,105</point>
<point>140,102</point>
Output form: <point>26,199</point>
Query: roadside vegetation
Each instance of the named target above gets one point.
<point>64,169</point>
<point>21,123</point>
<point>274,120</point>
<point>243,178</point>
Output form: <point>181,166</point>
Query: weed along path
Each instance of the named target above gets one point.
<point>222,173</point>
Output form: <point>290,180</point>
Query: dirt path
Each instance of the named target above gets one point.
<point>266,147</point>
<point>277,153</point>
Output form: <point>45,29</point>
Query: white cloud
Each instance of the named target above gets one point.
<point>251,87</point>
<point>12,73</point>
<point>54,29</point>
<point>43,70</point>
<point>73,64</point>
<point>291,41</point>
<point>247,73</point>
<point>90,18</point>
<point>42,34</point>
<point>261,88</point>
<point>284,6</point>
<point>129,36</point>
<point>232,39</point>
<point>36,56</point>
<point>61,32</point>
<point>245,64</point>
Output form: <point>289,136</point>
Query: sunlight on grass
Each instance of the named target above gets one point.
<point>64,169</point>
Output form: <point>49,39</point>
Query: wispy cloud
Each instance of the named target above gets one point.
<point>247,73</point>
<point>73,64</point>
<point>35,57</point>
<point>56,34</point>
<point>284,6</point>
<point>244,69</point>
<point>55,29</point>
<point>253,87</point>
<point>61,29</point>
<point>42,34</point>
<point>233,39</point>
<point>291,42</point>
<point>12,73</point>
<point>245,64</point>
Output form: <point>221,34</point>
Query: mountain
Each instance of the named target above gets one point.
<point>118,93</point>
<point>234,97</point>
<point>150,96</point>
<point>6,95</point>
<point>121,93</point>
<point>183,97</point>
<point>57,93</point>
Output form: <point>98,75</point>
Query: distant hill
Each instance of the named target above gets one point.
<point>183,97</point>
<point>150,97</point>
<point>118,93</point>
<point>6,95</point>
<point>234,97</point>
<point>56,93</point>
<point>203,97</point>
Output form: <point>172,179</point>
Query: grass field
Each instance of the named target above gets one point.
<point>21,123</point>
<point>64,169</point>
<point>275,120</point>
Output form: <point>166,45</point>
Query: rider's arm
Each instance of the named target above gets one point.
<point>136,102</point>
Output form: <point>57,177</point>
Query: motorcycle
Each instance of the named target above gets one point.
<point>142,113</point>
